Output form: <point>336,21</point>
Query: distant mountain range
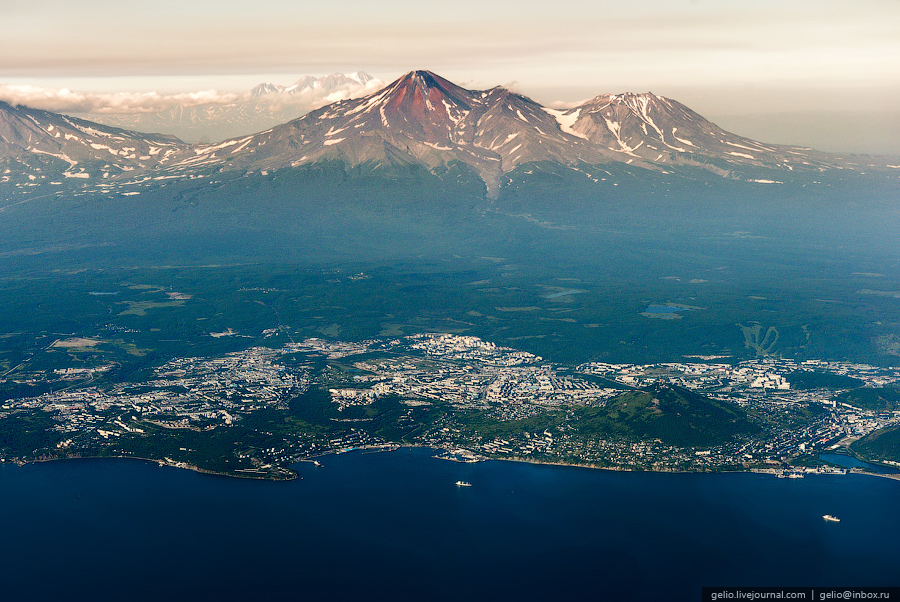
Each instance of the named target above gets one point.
<point>264,106</point>
<point>418,120</point>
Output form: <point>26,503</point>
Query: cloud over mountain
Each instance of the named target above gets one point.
<point>419,122</point>
<point>70,101</point>
<point>204,114</point>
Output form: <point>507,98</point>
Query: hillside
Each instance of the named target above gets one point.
<point>672,414</point>
<point>880,446</point>
<point>878,399</point>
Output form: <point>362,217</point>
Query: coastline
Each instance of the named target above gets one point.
<point>288,474</point>
<point>405,513</point>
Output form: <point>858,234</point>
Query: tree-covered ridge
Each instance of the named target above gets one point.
<point>879,399</point>
<point>881,446</point>
<point>674,415</point>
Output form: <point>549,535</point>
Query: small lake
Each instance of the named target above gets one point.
<point>664,309</point>
<point>571,291</point>
<point>666,312</point>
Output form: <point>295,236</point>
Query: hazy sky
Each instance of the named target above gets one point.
<point>720,57</point>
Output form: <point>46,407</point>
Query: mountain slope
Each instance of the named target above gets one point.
<point>663,131</point>
<point>40,146</point>
<point>420,121</point>
<point>426,120</point>
<point>674,415</point>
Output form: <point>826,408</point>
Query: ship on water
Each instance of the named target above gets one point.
<point>463,484</point>
<point>830,518</point>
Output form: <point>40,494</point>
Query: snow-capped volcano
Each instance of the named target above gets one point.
<point>424,120</point>
<point>662,131</point>
<point>420,118</point>
<point>329,84</point>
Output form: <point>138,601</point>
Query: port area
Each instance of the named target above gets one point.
<point>459,455</point>
<point>365,449</point>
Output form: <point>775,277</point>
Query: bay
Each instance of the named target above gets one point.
<point>394,526</point>
<point>851,462</point>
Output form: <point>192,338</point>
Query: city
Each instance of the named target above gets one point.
<point>468,397</point>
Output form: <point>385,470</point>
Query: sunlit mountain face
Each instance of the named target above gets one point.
<point>418,120</point>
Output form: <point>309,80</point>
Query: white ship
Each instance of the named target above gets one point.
<point>830,518</point>
<point>463,484</point>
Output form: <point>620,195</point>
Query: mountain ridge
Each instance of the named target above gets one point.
<point>424,120</point>
<point>263,106</point>
<point>40,144</point>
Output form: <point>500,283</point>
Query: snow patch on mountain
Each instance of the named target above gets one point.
<point>566,119</point>
<point>420,119</point>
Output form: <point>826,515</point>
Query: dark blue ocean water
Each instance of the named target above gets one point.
<point>393,526</point>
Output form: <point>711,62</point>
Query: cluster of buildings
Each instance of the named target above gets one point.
<point>762,375</point>
<point>468,374</point>
<point>462,370</point>
<point>194,393</point>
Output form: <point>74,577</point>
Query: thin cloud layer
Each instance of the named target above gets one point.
<point>133,103</point>
<point>68,101</point>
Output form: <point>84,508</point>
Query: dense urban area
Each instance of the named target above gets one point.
<point>254,412</point>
